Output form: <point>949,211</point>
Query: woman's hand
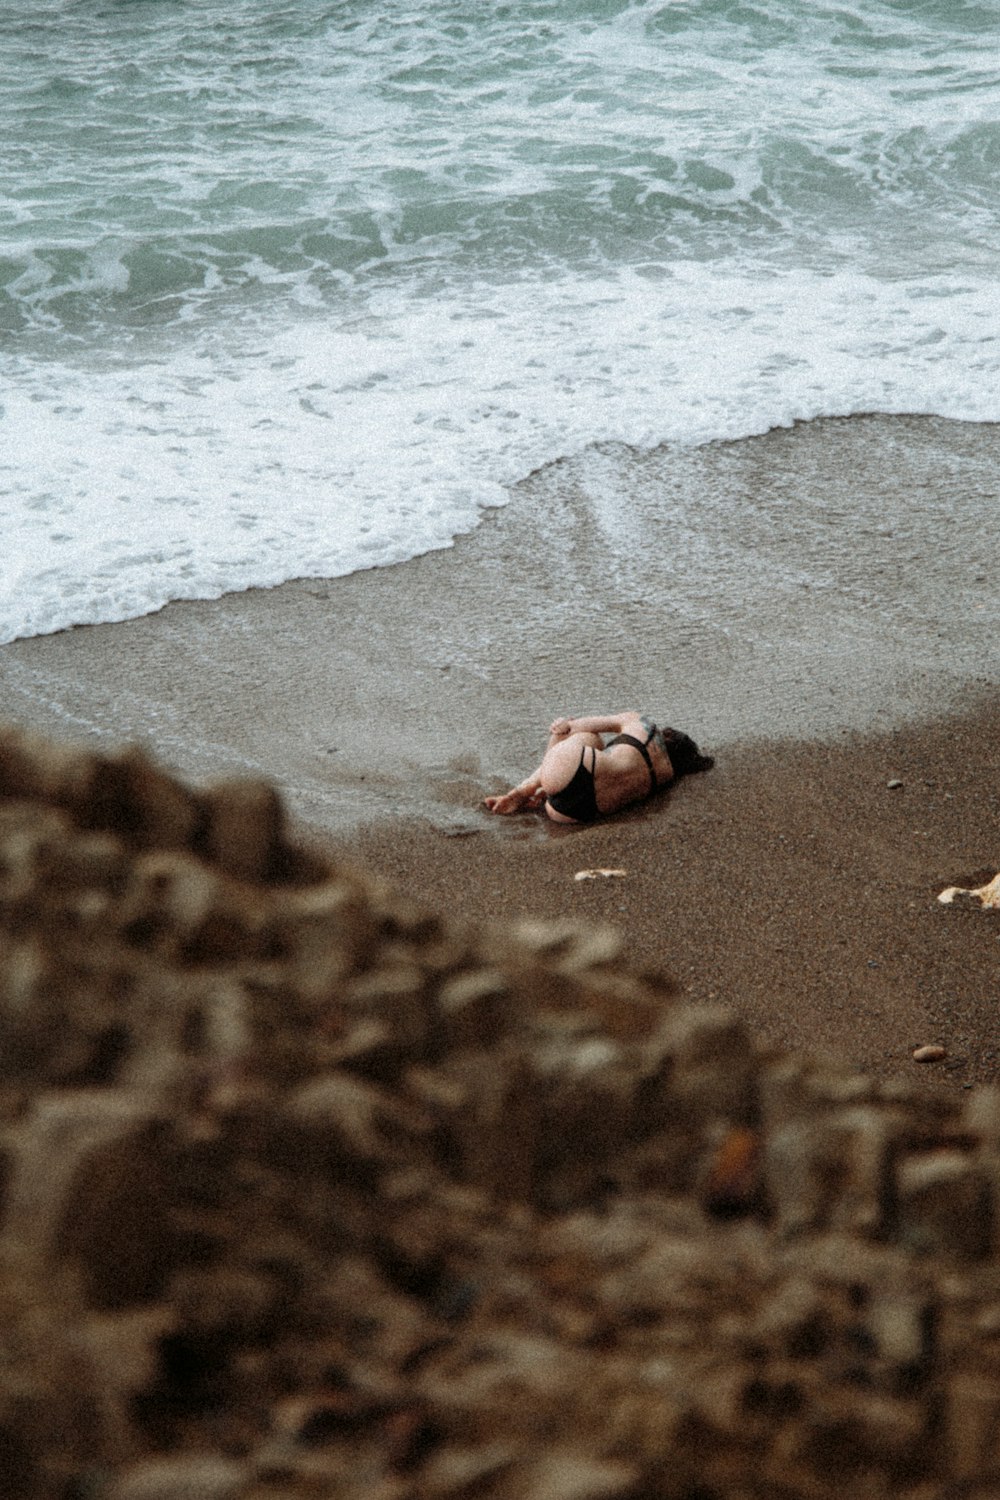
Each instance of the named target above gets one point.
<point>559,728</point>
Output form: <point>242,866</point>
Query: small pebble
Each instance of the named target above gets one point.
<point>929,1054</point>
<point>894,784</point>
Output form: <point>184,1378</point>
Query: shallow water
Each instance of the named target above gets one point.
<point>840,579</point>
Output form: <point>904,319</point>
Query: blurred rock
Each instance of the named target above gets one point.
<point>305,1191</point>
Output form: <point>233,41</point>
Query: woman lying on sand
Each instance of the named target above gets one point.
<point>581,777</point>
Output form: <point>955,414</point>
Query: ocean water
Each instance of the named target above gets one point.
<point>303,287</point>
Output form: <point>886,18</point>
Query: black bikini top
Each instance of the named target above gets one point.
<point>630,739</point>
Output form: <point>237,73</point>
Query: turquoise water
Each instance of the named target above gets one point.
<point>301,288</point>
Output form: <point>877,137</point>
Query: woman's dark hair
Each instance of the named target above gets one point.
<point>685,757</point>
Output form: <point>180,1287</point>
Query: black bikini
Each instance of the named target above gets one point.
<point>578,798</point>
<point>640,745</point>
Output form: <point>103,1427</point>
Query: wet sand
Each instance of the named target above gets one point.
<point>829,625</point>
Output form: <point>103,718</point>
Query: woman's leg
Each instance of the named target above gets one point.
<point>529,793</point>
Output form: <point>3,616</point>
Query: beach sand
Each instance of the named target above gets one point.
<point>827,629</point>
<point>792,884</point>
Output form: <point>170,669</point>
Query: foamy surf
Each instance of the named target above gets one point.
<point>304,296</point>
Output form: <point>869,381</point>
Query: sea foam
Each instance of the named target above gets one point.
<point>307,299</point>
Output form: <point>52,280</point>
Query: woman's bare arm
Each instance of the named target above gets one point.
<point>595,724</point>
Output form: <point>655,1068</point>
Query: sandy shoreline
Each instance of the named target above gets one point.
<point>791,883</point>
<point>837,577</point>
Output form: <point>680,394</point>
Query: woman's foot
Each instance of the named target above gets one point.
<point>514,801</point>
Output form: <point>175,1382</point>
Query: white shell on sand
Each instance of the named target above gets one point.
<point>596,874</point>
<point>988,894</point>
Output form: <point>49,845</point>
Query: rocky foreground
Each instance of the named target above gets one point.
<point>307,1192</point>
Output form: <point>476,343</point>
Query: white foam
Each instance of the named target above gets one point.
<point>321,323</point>
<point>324,447</point>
